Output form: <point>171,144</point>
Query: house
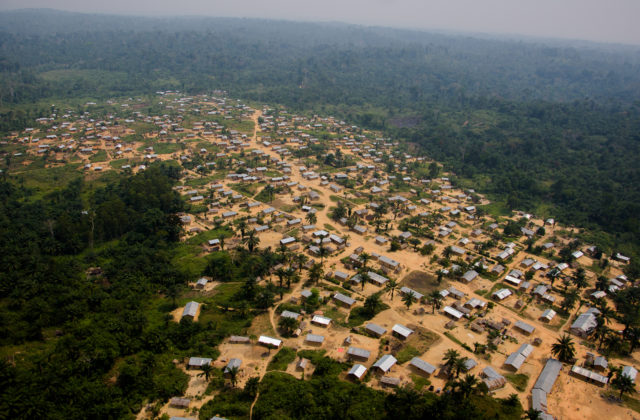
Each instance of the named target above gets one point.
<point>502,294</point>
<point>401,331</point>
<point>321,320</point>
<point>314,339</point>
<point>422,366</point>
<point>390,381</point>
<point>289,314</point>
<point>584,324</point>
<point>233,363</point>
<point>589,376</point>
<point>358,353</point>
<point>343,300</point>
<point>375,329</point>
<point>452,313</point>
<point>357,371</point>
<point>191,309</point>
<point>548,375</point>
<point>238,339</point>
<point>547,315</point>
<point>405,291</point>
<point>201,283</point>
<point>517,358</point>
<point>385,363</point>
<point>377,278</point>
<point>493,380</point>
<point>630,372</point>
<point>524,327</point>
<point>469,276</point>
<point>198,362</point>
<point>269,341</point>
<point>178,402</point>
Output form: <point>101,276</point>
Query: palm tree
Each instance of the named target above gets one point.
<point>242,226</point>
<point>602,283</point>
<point>533,414</point>
<point>391,287</point>
<point>624,384</point>
<point>447,252</point>
<point>207,369</point>
<point>300,260</point>
<point>408,299</point>
<point>468,384</point>
<point>459,365</point>
<point>365,258</point>
<point>281,273</point>
<point>233,375</point>
<point>450,358</point>
<point>436,300</point>
<point>315,273</point>
<point>323,253</point>
<point>371,304</point>
<point>311,218</point>
<point>252,241</point>
<point>221,239</point>
<point>564,349</point>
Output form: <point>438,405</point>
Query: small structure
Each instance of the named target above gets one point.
<point>502,294</point>
<point>630,372</point>
<point>390,381</point>
<point>238,339</point>
<point>385,363</point>
<point>321,320</point>
<point>178,402</point>
<point>589,376</point>
<point>358,353</point>
<point>452,313</point>
<point>344,300</point>
<point>269,342</point>
<point>547,315</point>
<point>314,339</point>
<point>191,309</point>
<point>198,362</point>
<point>357,371</point>
<point>289,314</point>
<point>233,363</point>
<point>524,327</point>
<point>401,331</point>
<point>375,329</point>
<point>422,366</point>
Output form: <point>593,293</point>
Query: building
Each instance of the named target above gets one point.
<point>375,329</point>
<point>198,362</point>
<point>358,353</point>
<point>401,331</point>
<point>524,327</point>
<point>422,366</point>
<point>269,341</point>
<point>357,371</point>
<point>314,339</point>
<point>344,300</point>
<point>191,309</point>
<point>233,363</point>
<point>385,363</point>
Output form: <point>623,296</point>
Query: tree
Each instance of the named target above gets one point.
<point>364,258</point>
<point>408,299</point>
<point>450,358</point>
<point>315,273</point>
<point>251,387</point>
<point>564,349</point>
<point>233,375</point>
<point>624,384</point>
<point>287,325</point>
<point>602,283</point>
<point>371,304</point>
<point>300,260</point>
<point>533,414</point>
<point>459,365</point>
<point>207,369</point>
<point>311,218</point>
<point>242,226</point>
<point>580,279</point>
<point>252,240</point>
<point>391,287</point>
<point>435,298</point>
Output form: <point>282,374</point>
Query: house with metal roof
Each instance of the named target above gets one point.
<point>469,276</point>
<point>401,331</point>
<point>502,294</point>
<point>191,309</point>
<point>358,353</point>
<point>375,329</point>
<point>344,300</point>
<point>422,366</point>
<point>524,327</point>
<point>314,339</point>
<point>452,313</point>
<point>630,372</point>
<point>589,376</point>
<point>289,314</point>
<point>197,362</point>
<point>377,278</point>
<point>385,363</point>
<point>233,363</point>
<point>321,320</point>
<point>269,341</point>
<point>547,315</point>
<point>405,291</point>
<point>357,371</point>
<point>548,375</point>
<point>584,324</point>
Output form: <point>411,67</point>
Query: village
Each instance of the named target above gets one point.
<point>393,266</point>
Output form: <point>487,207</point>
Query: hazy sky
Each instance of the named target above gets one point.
<point>599,20</point>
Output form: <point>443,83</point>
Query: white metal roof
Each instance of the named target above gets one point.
<point>317,319</point>
<point>358,370</point>
<point>385,362</point>
<point>402,330</point>
<point>269,341</point>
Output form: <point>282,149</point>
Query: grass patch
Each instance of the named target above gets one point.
<point>407,353</point>
<point>327,226</point>
<point>206,236</point>
<point>359,315</point>
<point>282,359</point>
<point>101,156</point>
<point>118,163</point>
<point>455,340</point>
<point>422,282</point>
<point>419,382</point>
<point>518,380</point>
<point>629,402</point>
